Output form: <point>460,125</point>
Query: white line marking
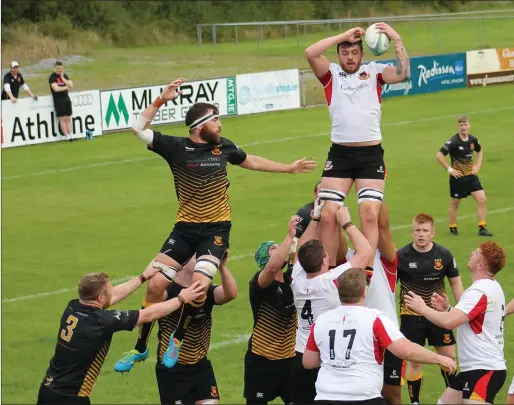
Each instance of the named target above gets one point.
<point>291,138</point>
<point>237,257</point>
<point>223,343</point>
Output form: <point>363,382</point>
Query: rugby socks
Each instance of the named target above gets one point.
<point>185,318</point>
<point>481,225</point>
<point>144,331</point>
<point>448,378</point>
<point>453,229</point>
<point>414,385</point>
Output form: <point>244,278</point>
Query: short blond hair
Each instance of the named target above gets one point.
<point>463,118</point>
<point>351,285</point>
<point>92,285</point>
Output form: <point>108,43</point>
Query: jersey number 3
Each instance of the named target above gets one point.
<point>307,312</point>
<point>67,333</point>
<point>332,338</point>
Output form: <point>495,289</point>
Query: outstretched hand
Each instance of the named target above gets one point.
<point>302,166</point>
<point>170,91</point>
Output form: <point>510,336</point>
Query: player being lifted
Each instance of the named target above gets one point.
<point>463,174</point>
<point>353,93</point>
<point>203,222</point>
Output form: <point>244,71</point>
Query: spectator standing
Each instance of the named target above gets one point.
<point>60,83</point>
<point>13,80</point>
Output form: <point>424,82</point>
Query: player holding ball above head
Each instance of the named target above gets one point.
<point>353,93</point>
<point>203,222</point>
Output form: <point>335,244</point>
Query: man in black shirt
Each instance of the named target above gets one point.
<point>13,80</point>
<point>60,83</point>
<point>304,213</point>
<point>271,352</point>
<point>192,379</point>
<point>422,268</point>
<point>463,174</point>
<point>199,167</point>
<point>86,330</point>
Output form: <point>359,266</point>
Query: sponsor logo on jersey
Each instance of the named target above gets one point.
<point>363,75</point>
<point>438,264</point>
<point>216,150</point>
<point>413,265</point>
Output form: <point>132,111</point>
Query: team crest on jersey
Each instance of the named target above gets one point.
<point>446,338</point>
<point>438,264</point>
<point>472,147</point>
<point>214,391</point>
<point>364,75</point>
<point>328,165</point>
<point>216,150</point>
<point>218,241</point>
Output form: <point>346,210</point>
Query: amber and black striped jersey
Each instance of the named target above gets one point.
<point>200,175</point>
<point>83,341</point>
<point>461,153</point>
<point>274,319</point>
<point>424,273</point>
<point>197,337</point>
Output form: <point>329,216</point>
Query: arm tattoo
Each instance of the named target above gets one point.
<point>402,59</point>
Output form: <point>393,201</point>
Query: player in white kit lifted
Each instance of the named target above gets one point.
<point>478,317</point>
<point>315,291</point>
<point>349,342</point>
<point>353,93</point>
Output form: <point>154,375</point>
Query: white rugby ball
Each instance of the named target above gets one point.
<point>376,41</point>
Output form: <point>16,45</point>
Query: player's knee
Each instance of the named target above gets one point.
<point>454,203</point>
<point>206,267</point>
<point>328,216</point>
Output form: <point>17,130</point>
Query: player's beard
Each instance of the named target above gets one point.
<point>351,69</point>
<point>210,136</point>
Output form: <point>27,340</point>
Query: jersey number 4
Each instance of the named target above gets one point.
<point>307,312</point>
<point>67,333</point>
<point>332,338</point>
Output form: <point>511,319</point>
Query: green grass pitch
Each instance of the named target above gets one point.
<point>107,205</point>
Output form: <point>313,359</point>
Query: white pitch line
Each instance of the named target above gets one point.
<point>236,257</point>
<point>291,138</point>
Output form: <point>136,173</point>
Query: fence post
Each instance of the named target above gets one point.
<point>260,35</point>
<point>214,34</point>
<point>479,32</point>
<point>437,33</point>
<point>235,34</point>
<point>285,30</point>
<point>302,82</point>
<point>304,32</point>
<point>411,27</point>
<point>297,35</point>
<point>340,28</point>
<point>329,31</point>
<point>199,35</point>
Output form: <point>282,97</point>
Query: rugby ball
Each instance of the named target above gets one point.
<point>377,42</point>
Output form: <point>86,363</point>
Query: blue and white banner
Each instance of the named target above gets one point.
<point>268,91</point>
<point>430,74</point>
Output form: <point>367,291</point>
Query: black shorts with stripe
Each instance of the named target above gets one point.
<point>463,187</point>
<point>479,385</point>
<point>355,162</point>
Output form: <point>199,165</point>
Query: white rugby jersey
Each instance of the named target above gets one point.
<point>354,102</point>
<point>381,290</point>
<point>480,341</point>
<point>351,341</point>
<point>313,297</point>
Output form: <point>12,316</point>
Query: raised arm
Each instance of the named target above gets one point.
<point>227,291</point>
<point>140,126</point>
<point>386,246</point>
<point>401,72</point>
<point>314,53</point>
<point>261,164</point>
<point>312,231</point>
<point>162,309</point>
<point>509,309</point>
<point>277,259</point>
<point>122,291</point>
<point>363,250</point>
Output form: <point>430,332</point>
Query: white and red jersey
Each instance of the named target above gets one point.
<point>480,341</point>
<point>313,297</point>
<point>354,102</point>
<point>351,341</point>
<point>382,289</point>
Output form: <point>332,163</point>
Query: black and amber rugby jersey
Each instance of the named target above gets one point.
<point>200,175</point>
<point>424,273</point>
<point>197,337</point>
<point>274,319</point>
<point>83,341</point>
<point>461,153</point>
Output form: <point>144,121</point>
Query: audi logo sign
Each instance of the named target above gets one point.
<point>82,100</point>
